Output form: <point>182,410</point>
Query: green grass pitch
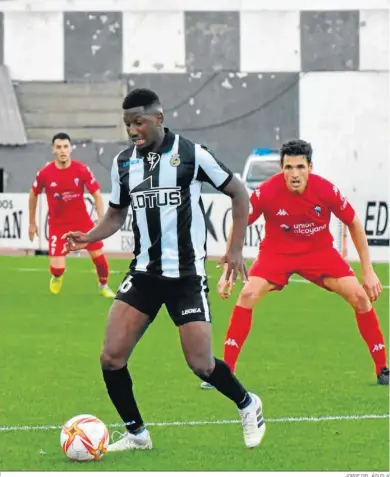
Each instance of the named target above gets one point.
<point>304,357</point>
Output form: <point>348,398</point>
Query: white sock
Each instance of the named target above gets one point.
<point>142,434</point>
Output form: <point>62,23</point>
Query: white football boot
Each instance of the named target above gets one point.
<point>253,423</point>
<point>127,441</point>
<point>205,385</point>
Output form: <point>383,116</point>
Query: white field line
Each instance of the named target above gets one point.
<point>295,280</point>
<point>215,422</point>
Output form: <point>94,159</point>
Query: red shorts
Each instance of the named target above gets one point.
<point>56,243</point>
<point>314,266</point>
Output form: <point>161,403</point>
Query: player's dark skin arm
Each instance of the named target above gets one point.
<point>240,211</point>
<point>111,222</point>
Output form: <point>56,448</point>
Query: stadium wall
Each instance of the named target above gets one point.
<point>322,75</point>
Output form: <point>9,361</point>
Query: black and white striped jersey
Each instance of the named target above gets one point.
<point>164,191</point>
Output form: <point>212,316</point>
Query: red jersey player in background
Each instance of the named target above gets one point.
<point>64,180</point>
<point>297,207</point>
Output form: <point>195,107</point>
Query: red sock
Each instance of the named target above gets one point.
<point>101,268</point>
<point>238,331</point>
<point>370,331</point>
<point>57,272</point>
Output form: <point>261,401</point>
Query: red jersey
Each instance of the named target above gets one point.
<point>65,191</point>
<point>298,223</point>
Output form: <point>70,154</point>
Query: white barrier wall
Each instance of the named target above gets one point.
<point>14,221</point>
<point>373,211</point>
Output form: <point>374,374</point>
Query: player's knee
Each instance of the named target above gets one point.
<point>248,297</point>
<point>201,368</point>
<point>111,361</point>
<point>359,300</point>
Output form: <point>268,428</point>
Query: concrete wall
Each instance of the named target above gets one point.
<point>246,74</point>
<point>91,45</point>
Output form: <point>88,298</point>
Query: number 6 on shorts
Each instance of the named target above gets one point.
<point>125,285</point>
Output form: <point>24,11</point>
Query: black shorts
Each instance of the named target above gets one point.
<point>186,299</point>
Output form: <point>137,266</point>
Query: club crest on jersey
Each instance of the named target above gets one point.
<point>317,209</point>
<point>76,181</point>
<point>285,227</point>
<point>153,159</point>
<point>175,160</point>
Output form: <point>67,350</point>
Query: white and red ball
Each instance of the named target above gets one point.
<point>84,438</point>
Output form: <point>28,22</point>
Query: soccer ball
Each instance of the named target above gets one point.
<point>84,438</point>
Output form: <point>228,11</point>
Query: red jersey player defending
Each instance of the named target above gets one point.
<point>64,180</point>
<point>297,207</point>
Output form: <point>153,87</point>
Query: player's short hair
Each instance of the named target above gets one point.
<point>61,135</point>
<point>296,147</point>
<point>141,97</point>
